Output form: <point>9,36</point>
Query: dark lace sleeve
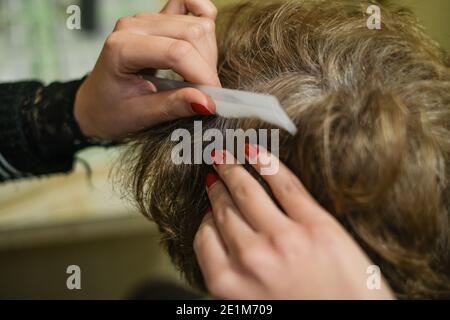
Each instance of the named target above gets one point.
<point>38,132</point>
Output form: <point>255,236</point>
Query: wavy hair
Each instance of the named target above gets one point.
<point>372,109</point>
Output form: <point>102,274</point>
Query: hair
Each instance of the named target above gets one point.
<point>372,109</point>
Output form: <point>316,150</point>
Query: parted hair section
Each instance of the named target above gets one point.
<point>372,109</point>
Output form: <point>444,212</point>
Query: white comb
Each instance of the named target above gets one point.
<point>235,103</point>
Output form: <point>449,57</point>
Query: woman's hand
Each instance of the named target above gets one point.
<point>248,248</point>
<point>114,100</point>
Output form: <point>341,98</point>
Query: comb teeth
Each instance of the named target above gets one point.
<point>236,104</point>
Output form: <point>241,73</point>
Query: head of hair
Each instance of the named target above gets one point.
<point>372,109</point>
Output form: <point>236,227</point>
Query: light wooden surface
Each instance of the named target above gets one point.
<point>51,223</point>
<point>67,206</point>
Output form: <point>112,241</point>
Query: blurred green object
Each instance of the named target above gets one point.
<point>36,42</point>
<point>37,14</point>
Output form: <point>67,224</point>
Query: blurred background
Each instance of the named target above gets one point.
<point>49,224</point>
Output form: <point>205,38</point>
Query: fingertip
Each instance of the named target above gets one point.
<point>210,103</point>
<point>218,158</point>
<point>201,103</point>
<point>201,109</point>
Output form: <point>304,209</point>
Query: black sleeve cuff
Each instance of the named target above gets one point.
<point>38,132</point>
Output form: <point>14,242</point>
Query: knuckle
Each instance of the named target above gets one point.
<point>221,284</point>
<point>284,242</point>
<point>252,257</point>
<point>123,23</point>
<point>223,215</point>
<point>207,25</point>
<point>195,31</point>
<point>113,42</point>
<point>244,192</point>
<point>213,11</point>
<point>178,50</point>
<point>146,15</point>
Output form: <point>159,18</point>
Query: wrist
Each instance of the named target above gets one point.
<point>84,120</point>
<point>79,111</point>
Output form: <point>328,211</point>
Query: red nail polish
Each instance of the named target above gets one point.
<point>211,179</point>
<point>217,157</point>
<point>251,151</point>
<point>201,109</point>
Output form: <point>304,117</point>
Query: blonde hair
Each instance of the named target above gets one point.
<point>373,112</point>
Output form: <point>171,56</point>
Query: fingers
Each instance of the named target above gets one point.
<point>235,231</point>
<point>249,196</point>
<point>200,32</point>
<point>219,272</point>
<point>201,8</point>
<point>137,52</point>
<point>210,250</point>
<point>286,187</point>
<point>170,105</point>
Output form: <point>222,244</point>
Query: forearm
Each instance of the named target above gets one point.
<point>38,132</point>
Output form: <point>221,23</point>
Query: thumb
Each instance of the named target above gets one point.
<point>171,105</point>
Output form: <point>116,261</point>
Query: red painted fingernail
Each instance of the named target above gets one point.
<point>211,179</point>
<point>251,151</point>
<point>201,109</point>
<point>217,157</point>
